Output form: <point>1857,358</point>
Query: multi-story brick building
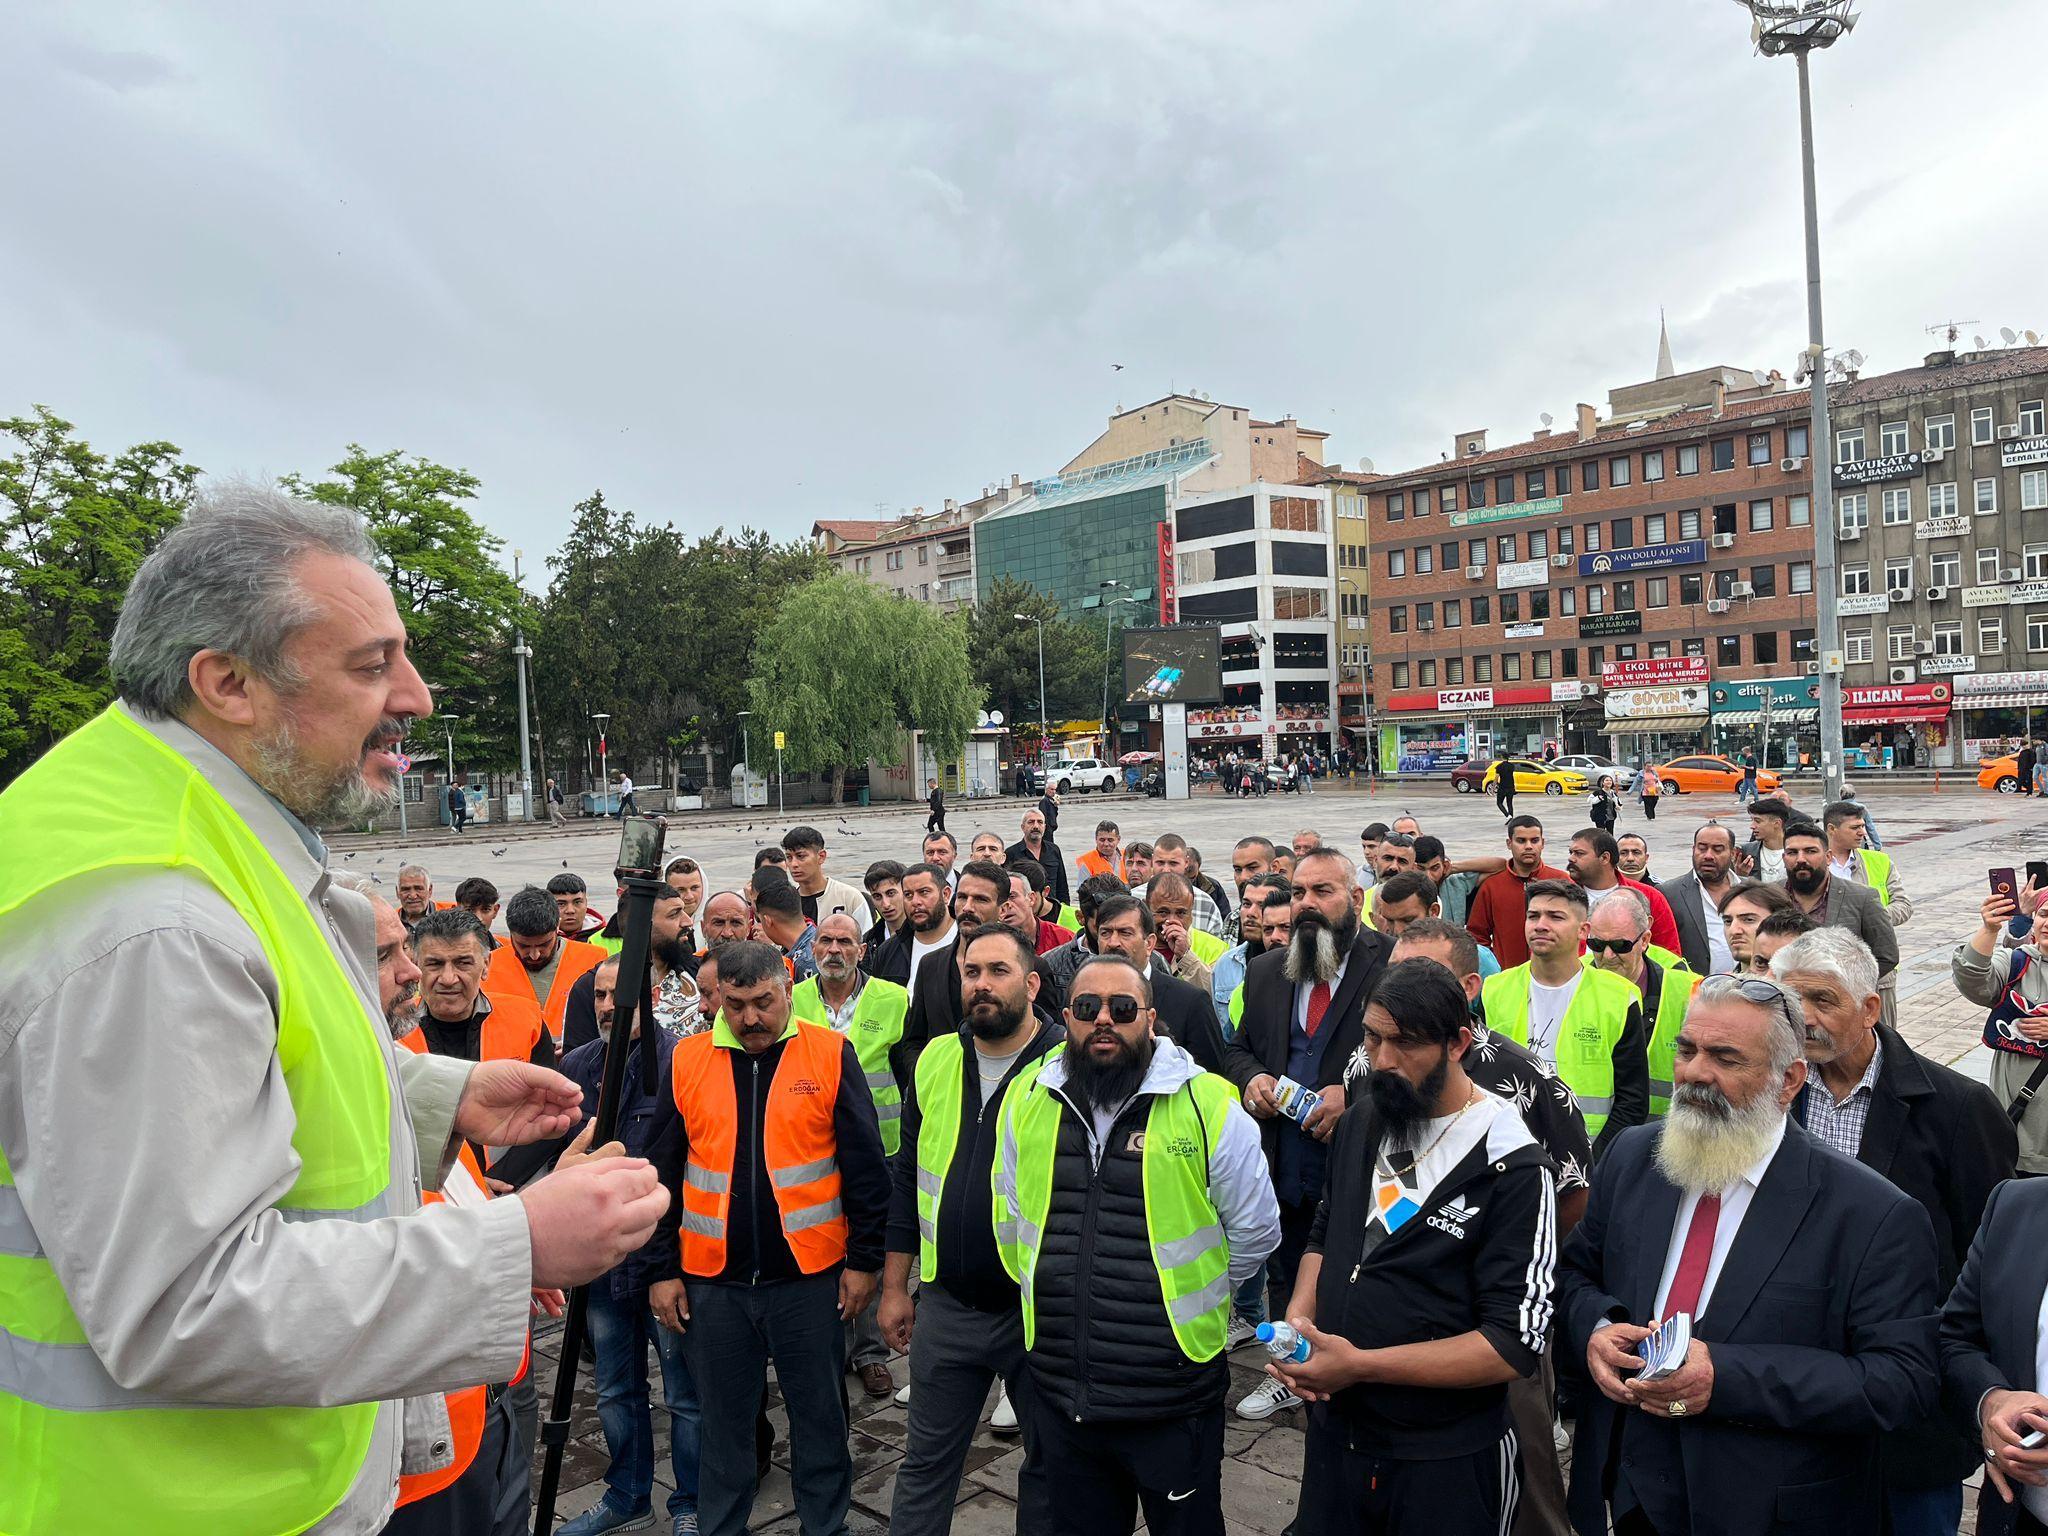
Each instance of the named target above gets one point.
<point>926,556</point>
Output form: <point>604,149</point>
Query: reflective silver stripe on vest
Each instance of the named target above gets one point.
<point>804,1173</point>
<point>369,1210</point>
<point>703,1226</point>
<point>928,1230</point>
<point>697,1176</point>
<point>812,1216</point>
<point>1591,1106</point>
<point>17,1237</point>
<point>1185,1250</point>
<point>1028,1233</point>
<point>1659,1090</point>
<point>879,1082</point>
<point>68,1377</point>
<point>889,1111</point>
<point>1006,1234</point>
<point>1198,1304</point>
<point>929,1183</point>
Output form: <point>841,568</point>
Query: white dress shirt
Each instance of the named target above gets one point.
<point>1720,958</point>
<point>1734,1206</point>
<point>1303,988</point>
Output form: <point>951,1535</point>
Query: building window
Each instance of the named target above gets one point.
<point>1689,523</point>
<point>1723,451</point>
<point>1454,671</point>
<point>1397,506</point>
<point>1945,568</point>
<point>1591,543</point>
<point>1425,560</point>
<point>1653,465</point>
<point>1948,637</point>
<point>1898,505</point>
<point>1511,607</point>
<point>1763,646</point>
<point>1983,425</point>
<point>1564,538</point>
<point>894,561</point>
<point>1538,483</point>
<point>1724,518</point>
<point>2033,489</point>
<point>1759,448</point>
<point>1763,580</point>
<point>1759,517</point>
<point>1567,602</point>
<point>1898,575</point>
<point>1856,644</point>
<point>2033,420</point>
<point>1589,475</point>
<point>1425,617</point>
<point>1849,445</point>
<point>1475,552</point>
<point>1799,577</point>
<point>1449,554</point>
<point>2037,631</point>
<point>1657,592</point>
<point>924,554</point>
<point>1654,527</point>
<point>1728,650</point>
<point>1724,584</point>
<point>1898,642</point>
<point>1941,432</point>
<point>1853,512</point>
<point>1620,472</point>
<point>1689,458</point>
<point>1397,619</point>
<point>1691,589</point>
<point>1454,612</point>
<point>1621,533</point>
<point>1987,496</point>
<point>2034,562</point>
<point>1397,562</point>
<point>1447,498</point>
<point>1660,650</point>
<point>1507,543</point>
<point>1503,490</point>
<point>1475,494</point>
<point>1428,678</point>
<point>1596,658</point>
<point>1539,544</point>
<point>1988,565</point>
<point>1510,668</point>
<point>1798,511</point>
<point>1482,610</point>
<point>1796,441</point>
<point>1539,664</point>
<point>1596,598</point>
<point>1941,500</point>
<point>1624,597</point>
<point>1570,664</point>
<point>1482,669</point>
<point>1891,439</point>
<point>1991,635</point>
<point>1400,674</point>
<point>1856,580</point>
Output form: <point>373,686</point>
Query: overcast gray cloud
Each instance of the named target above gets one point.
<point>789,260</point>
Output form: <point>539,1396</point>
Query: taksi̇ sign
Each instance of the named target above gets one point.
<point>1654,672</point>
<point>1613,562</point>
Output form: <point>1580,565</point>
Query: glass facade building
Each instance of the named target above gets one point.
<point>1068,548</point>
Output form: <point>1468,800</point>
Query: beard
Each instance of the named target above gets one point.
<point>324,796</point>
<point>1316,947</point>
<point>1804,880</point>
<point>931,922</point>
<point>1402,1105</point>
<point>675,954</point>
<point>990,1017</point>
<point>1107,1084</point>
<point>1708,1142</point>
<point>403,1016</point>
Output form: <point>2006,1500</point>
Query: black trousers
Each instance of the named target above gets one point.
<point>1352,1493</point>
<point>935,820</point>
<point>1284,1263</point>
<point>469,1505</point>
<point>1101,1474</point>
<point>1504,796</point>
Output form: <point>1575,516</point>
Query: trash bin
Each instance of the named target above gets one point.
<point>863,794</point>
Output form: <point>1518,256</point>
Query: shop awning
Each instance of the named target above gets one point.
<point>1896,714</point>
<point>1649,724</point>
<point>2002,701</point>
<point>1804,715</point>
<point>1441,716</point>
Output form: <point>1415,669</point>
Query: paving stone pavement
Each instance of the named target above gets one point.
<point>1944,842</point>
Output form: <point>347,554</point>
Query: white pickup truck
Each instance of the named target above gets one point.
<point>1068,774</point>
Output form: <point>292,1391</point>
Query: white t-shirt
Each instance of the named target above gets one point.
<point>918,950</point>
<point>1770,865</point>
<point>1720,959</point>
<point>1400,1192</point>
<point>625,785</point>
<point>1547,1006</point>
<point>1595,898</point>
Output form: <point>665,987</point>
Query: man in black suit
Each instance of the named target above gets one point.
<point>1304,1011</point>
<point>1935,1134</point>
<point>1808,1278</point>
<point>1125,925</point>
<point>1696,900</point>
<point>1037,845</point>
<point>1990,1349</point>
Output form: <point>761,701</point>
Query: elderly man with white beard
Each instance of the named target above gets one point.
<point>1808,1279</point>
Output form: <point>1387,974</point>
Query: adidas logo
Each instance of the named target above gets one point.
<point>1451,1216</point>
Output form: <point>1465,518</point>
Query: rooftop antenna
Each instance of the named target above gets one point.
<point>1950,328</point>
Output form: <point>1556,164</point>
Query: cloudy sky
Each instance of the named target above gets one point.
<point>769,262</point>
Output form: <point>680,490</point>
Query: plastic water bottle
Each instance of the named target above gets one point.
<point>1283,1342</point>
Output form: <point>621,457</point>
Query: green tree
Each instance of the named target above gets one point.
<point>457,601</point>
<point>73,528</point>
<point>1004,652</point>
<point>845,665</point>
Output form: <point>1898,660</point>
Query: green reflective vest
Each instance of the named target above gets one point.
<point>1070,920</point>
<point>1206,947</point>
<point>1878,866</point>
<point>1674,996</point>
<point>1189,1248</point>
<point>940,1073</point>
<point>878,1015</point>
<point>80,1454</point>
<point>1585,1037</point>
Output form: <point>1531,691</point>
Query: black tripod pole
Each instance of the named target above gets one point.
<point>630,1005</point>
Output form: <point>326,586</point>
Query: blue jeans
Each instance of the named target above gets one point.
<point>620,1333</point>
<point>1925,1511</point>
<point>1250,1301</point>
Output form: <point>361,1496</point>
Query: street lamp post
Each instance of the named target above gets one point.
<point>521,650</point>
<point>1108,604</point>
<point>448,724</point>
<point>1798,27</point>
<point>1028,619</point>
<point>746,755</point>
<point>604,760</point>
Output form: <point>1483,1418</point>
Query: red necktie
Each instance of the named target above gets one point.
<point>1694,1257</point>
<point>1318,1005</point>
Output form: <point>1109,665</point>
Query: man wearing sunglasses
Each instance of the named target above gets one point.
<point>1618,943</point>
<point>1131,1199</point>
<point>1582,1021</point>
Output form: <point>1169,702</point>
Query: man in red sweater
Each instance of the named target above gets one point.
<point>1499,906</point>
<point>1594,859</point>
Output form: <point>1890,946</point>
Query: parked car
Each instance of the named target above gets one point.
<point>1467,777</point>
<point>1592,767</point>
<point>1999,773</point>
<point>1082,773</point>
<point>1705,775</point>
<point>1530,778</point>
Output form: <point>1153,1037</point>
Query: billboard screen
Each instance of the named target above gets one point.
<point>1173,666</point>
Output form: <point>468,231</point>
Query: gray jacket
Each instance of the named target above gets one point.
<point>1859,909</point>
<point>147,1123</point>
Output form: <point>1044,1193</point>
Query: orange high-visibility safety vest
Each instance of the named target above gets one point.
<point>797,1138</point>
<point>507,977</point>
<point>1095,864</point>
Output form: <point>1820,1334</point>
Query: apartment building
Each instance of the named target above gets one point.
<point>927,556</point>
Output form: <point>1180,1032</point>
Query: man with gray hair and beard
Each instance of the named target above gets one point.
<point>1808,1281</point>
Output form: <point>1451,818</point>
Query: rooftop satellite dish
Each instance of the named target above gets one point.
<point>1763,380</point>
<point>1979,343</point>
<point>2033,338</point>
<point>1365,466</point>
<point>1855,359</point>
<point>995,717</point>
<point>1544,418</point>
<point>2007,335</point>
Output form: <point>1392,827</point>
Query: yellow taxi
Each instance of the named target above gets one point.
<point>1532,778</point>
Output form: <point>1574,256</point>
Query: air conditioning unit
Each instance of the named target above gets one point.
<point>1923,647</point>
<point>1718,605</point>
<point>1561,561</point>
<point>1936,594</point>
<point>2010,573</point>
<point>1791,466</point>
<point>1475,573</point>
<point>2009,431</point>
<point>1933,455</point>
<point>1901,675</point>
<point>1899,594</point>
<point>1813,669</point>
<point>1425,625</point>
<point>1724,541</point>
<point>1741,589</point>
<point>1850,533</point>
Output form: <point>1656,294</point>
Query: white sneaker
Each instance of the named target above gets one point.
<point>903,1395</point>
<point>1267,1399</point>
<point>1004,1420</point>
<point>1238,1334</point>
<point>1560,1437</point>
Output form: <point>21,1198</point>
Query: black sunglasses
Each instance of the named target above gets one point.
<point>1087,1007</point>
<point>1613,946</point>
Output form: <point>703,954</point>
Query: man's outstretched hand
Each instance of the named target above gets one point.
<point>509,1103</point>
